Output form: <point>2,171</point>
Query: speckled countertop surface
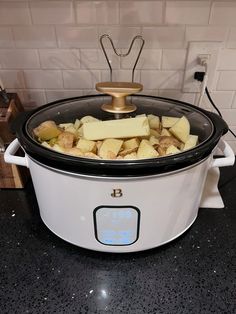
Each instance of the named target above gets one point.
<point>40,273</point>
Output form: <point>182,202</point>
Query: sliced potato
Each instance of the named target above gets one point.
<point>165,132</point>
<point>153,140</point>
<point>45,144</point>
<point>172,150</point>
<point>91,155</point>
<point>47,130</point>
<point>127,151</point>
<point>52,141</point>
<point>154,121</point>
<point>168,122</point>
<point>74,151</point>
<point>191,142</point>
<point>110,148</point>
<point>80,131</point>
<point>132,143</point>
<point>130,156</point>
<point>146,150</point>
<point>181,129</point>
<point>88,119</point>
<point>154,133</point>
<point>166,141</point>
<point>161,150</point>
<point>66,140</point>
<point>86,146</point>
<point>58,148</point>
<point>65,125</point>
<point>77,124</point>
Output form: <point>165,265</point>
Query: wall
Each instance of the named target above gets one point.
<point>50,49</point>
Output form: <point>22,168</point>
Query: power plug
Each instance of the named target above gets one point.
<point>203,59</point>
<point>199,76</point>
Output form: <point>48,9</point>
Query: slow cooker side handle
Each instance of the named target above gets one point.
<point>229,158</point>
<point>9,155</point>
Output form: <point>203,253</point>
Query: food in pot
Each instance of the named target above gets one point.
<point>181,129</point>
<point>133,138</point>
<point>121,128</point>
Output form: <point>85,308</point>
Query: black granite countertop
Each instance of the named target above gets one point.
<point>40,273</point>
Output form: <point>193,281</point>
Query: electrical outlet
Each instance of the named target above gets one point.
<point>197,53</point>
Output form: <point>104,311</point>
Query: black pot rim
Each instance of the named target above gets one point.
<point>124,168</point>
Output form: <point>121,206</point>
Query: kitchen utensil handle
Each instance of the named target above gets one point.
<point>229,158</point>
<point>9,155</point>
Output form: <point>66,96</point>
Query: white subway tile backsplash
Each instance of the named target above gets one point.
<point>95,59</point>
<point>77,37</point>
<point>162,79</point>
<point>52,12</point>
<point>223,13</point>
<point>234,101</point>
<point>229,115</point>
<point>80,79</point>
<point>221,99</point>
<point>6,38</point>
<point>141,12</point>
<point>19,59</point>
<point>206,33</point>
<point>173,59</point>
<point>231,42</point>
<point>164,37</point>
<point>30,98</point>
<point>121,36</point>
<point>227,81</point>
<point>53,95</point>
<point>229,137</point>
<point>121,76</point>
<point>59,58</point>
<point>149,59</point>
<point>43,79</point>
<point>97,12</point>
<point>34,37</point>
<point>187,12</point>
<point>14,13</point>
<point>227,60</point>
<point>12,78</point>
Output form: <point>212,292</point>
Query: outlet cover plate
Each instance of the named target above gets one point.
<point>196,48</point>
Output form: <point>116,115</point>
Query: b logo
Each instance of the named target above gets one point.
<point>116,193</point>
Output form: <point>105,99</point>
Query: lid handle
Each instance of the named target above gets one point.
<point>118,91</point>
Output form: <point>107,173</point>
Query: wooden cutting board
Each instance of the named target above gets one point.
<point>11,176</point>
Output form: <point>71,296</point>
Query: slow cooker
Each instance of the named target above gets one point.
<point>119,205</point>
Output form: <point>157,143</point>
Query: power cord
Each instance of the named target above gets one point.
<point>199,76</point>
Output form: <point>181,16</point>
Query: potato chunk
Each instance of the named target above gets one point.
<point>154,121</point>
<point>110,148</point>
<point>166,141</point>
<point>88,119</point>
<point>165,132</point>
<point>191,142</point>
<point>74,151</point>
<point>168,122</point>
<point>66,140</point>
<point>47,130</point>
<point>86,146</point>
<point>181,129</point>
<point>172,150</point>
<point>132,143</point>
<point>146,150</point>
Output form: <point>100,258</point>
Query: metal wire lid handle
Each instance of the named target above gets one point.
<point>138,37</point>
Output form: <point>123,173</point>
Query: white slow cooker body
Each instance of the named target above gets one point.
<point>168,204</point>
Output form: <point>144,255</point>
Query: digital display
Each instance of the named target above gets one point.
<point>116,225</point>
